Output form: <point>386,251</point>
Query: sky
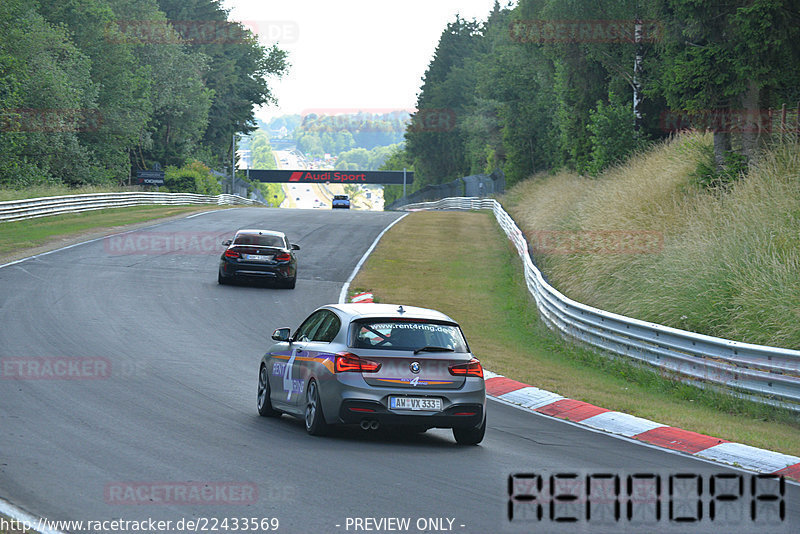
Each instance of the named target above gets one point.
<point>350,55</point>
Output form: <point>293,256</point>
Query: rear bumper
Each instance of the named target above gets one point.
<point>276,271</point>
<point>354,411</point>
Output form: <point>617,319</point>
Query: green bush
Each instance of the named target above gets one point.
<point>612,135</point>
<point>708,176</point>
<point>194,177</point>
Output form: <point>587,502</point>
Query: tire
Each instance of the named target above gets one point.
<point>470,436</point>
<point>220,280</point>
<point>314,419</point>
<point>290,283</point>
<point>265,408</point>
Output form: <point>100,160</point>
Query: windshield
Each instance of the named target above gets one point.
<point>259,240</point>
<point>393,334</point>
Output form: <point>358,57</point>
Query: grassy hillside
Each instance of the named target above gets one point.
<point>646,241</point>
<point>501,322</point>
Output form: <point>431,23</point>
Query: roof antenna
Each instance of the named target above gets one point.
<point>400,310</point>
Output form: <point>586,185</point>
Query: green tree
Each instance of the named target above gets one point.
<point>719,58</point>
<point>612,137</point>
<point>398,160</point>
<point>121,82</point>
<point>14,169</point>
<point>50,77</point>
<point>179,100</point>
<point>261,153</point>
<point>437,146</point>
<point>238,69</point>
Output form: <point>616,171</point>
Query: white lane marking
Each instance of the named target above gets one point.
<point>199,214</point>
<point>13,512</point>
<point>96,239</point>
<point>346,286</point>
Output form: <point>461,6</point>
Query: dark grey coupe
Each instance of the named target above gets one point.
<point>259,255</point>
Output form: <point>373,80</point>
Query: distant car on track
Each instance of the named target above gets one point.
<point>259,254</point>
<point>373,365</point>
<point>340,202</point>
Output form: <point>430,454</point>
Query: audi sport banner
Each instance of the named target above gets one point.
<point>344,177</point>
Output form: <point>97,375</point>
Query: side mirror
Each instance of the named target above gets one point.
<point>227,242</point>
<point>281,334</point>
<point>295,247</point>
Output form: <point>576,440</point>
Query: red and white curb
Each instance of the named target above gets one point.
<point>362,297</point>
<point>684,441</point>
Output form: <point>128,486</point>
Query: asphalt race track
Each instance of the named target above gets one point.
<point>166,398</point>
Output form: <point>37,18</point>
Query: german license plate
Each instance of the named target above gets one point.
<point>257,257</point>
<point>415,403</point>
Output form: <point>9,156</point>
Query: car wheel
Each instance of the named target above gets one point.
<point>470,436</point>
<point>264,403</point>
<point>315,421</point>
<point>289,284</point>
<point>220,279</point>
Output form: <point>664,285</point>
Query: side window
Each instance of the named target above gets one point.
<point>328,329</point>
<point>309,326</point>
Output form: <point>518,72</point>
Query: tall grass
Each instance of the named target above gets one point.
<point>730,261</point>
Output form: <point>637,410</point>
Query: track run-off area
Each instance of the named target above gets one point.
<point>156,418</point>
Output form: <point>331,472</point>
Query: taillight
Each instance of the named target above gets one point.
<point>283,257</point>
<point>349,362</point>
<point>230,253</point>
<point>473,368</point>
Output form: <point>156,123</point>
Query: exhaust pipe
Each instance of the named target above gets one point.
<point>366,424</point>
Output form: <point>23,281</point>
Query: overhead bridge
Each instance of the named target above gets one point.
<point>332,176</point>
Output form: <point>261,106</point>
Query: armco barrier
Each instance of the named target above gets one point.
<point>15,210</point>
<point>761,373</point>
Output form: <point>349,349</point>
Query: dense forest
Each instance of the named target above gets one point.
<point>582,84</point>
<point>92,90</point>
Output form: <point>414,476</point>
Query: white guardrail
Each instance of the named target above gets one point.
<point>761,373</point>
<point>15,210</point>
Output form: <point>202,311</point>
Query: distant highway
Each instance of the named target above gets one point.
<point>311,196</point>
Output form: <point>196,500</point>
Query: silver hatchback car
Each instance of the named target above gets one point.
<point>373,365</point>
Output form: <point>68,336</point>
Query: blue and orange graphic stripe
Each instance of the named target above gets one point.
<point>423,382</point>
<point>321,358</point>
